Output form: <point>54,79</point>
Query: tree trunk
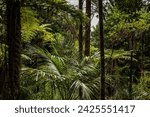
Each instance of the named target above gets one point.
<point>142,56</point>
<point>131,73</point>
<point>80,32</point>
<point>101,36</point>
<point>88,28</point>
<point>131,68</point>
<point>80,43</point>
<point>12,84</point>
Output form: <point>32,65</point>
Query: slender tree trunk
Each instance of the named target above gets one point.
<point>12,84</point>
<point>80,43</point>
<point>142,55</point>
<point>88,28</point>
<point>131,69</point>
<point>80,32</point>
<point>101,36</point>
<point>131,73</point>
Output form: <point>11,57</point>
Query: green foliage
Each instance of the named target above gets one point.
<point>120,28</point>
<point>117,54</point>
<point>31,26</point>
<point>141,91</point>
<point>48,73</point>
<point>30,23</point>
<point>129,6</point>
<point>42,69</point>
<point>2,53</point>
<point>51,68</point>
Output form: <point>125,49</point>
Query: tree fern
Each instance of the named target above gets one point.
<point>118,54</point>
<point>31,25</point>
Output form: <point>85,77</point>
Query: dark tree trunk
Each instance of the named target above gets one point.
<point>12,80</point>
<point>88,28</point>
<point>142,55</point>
<point>80,43</point>
<point>80,32</point>
<point>131,73</point>
<point>131,68</point>
<point>101,36</point>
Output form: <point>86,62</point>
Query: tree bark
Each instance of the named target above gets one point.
<point>131,67</point>
<point>80,32</point>
<point>12,80</point>
<point>131,73</point>
<point>142,56</point>
<point>88,28</point>
<point>101,36</point>
<point>80,43</point>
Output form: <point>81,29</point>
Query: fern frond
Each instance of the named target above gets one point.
<point>118,54</point>
<point>31,26</point>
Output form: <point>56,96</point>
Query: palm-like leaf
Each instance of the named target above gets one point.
<point>44,71</point>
